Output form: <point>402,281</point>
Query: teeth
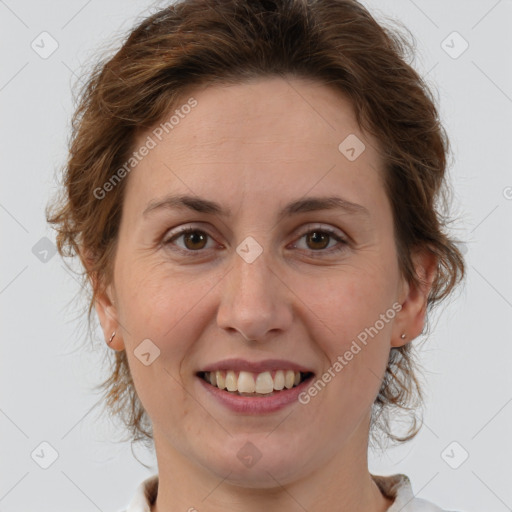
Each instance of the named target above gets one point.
<point>231,381</point>
<point>279,380</point>
<point>219,377</point>
<point>264,383</point>
<point>247,382</point>
<point>289,379</point>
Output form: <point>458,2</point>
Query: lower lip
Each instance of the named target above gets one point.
<point>260,404</point>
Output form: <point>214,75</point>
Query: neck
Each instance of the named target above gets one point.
<point>341,483</point>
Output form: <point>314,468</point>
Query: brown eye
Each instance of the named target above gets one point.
<point>321,242</point>
<point>318,239</point>
<point>193,240</point>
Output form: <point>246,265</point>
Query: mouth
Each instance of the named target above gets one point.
<point>252,384</point>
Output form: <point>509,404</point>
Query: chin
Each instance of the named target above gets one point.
<point>257,461</point>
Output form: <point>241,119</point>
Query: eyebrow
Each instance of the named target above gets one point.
<point>308,204</point>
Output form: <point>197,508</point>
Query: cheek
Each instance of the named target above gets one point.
<point>355,340</point>
<point>164,304</point>
<point>349,300</point>
<point>352,323</point>
<point>155,310</point>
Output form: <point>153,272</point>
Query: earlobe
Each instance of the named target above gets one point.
<point>108,316</point>
<point>104,302</point>
<point>411,318</point>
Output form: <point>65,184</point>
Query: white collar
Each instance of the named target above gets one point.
<point>397,487</point>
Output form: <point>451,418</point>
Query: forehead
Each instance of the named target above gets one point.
<point>286,111</point>
<point>277,136</point>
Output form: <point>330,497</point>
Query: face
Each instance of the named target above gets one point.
<point>255,281</point>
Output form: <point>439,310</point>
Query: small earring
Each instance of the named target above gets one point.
<point>403,336</point>
<point>111,338</point>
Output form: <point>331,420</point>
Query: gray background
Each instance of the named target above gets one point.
<point>47,373</point>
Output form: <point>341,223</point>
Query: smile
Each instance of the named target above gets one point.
<point>245,383</point>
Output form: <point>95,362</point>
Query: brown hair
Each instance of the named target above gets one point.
<point>200,42</point>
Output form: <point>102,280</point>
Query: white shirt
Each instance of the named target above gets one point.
<point>397,487</point>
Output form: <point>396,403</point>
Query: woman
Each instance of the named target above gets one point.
<point>252,191</point>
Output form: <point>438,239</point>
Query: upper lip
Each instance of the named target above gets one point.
<point>237,364</point>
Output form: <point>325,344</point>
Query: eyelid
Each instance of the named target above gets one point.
<point>323,227</point>
<point>174,233</point>
<point>341,236</point>
<point>343,240</point>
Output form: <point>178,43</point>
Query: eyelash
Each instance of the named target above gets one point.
<point>315,254</point>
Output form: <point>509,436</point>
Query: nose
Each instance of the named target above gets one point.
<point>255,301</point>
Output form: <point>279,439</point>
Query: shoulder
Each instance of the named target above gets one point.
<point>144,495</point>
<point>399,488</point>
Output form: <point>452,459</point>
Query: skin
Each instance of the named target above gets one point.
<point>254,148</point>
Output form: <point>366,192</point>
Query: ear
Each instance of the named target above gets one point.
<point>413,299</point>
<point>105,305</point>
